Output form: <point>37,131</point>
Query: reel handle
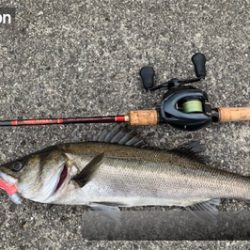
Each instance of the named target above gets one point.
<point>199,61</point>
<point>147,74</point>
<point>234,114</point>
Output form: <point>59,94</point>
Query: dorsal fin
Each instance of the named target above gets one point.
<point>120,135</point>
<point>191,150</point>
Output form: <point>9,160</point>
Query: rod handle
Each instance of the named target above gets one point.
<point>234,114</point>
<point>142,117</point>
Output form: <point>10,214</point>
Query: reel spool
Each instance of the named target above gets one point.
<point>192,106</point>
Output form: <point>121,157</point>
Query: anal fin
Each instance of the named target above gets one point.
<point>206,210</point>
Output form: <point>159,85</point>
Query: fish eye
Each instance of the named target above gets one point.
<point>16,166</point>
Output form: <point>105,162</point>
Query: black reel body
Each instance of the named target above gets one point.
<point>183,106</point>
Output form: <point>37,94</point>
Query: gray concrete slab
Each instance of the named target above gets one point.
<point>75,58</point>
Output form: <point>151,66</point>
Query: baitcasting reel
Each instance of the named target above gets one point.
<point>183,106</point>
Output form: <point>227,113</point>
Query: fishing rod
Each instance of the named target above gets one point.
<point>183,106</point>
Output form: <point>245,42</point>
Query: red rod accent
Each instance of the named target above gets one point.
<point>120,118</point>
<point>36,122</point>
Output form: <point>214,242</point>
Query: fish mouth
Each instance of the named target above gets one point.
<point>62,178</point>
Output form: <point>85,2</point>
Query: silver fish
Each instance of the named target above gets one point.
<point>113,173</point>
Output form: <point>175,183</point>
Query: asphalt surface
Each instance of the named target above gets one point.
<point>73,58</point>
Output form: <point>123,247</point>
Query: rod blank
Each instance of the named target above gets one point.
<point>50,121</point>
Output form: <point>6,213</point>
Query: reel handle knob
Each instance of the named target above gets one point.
<point>199,61</point>
<point>147,74</point>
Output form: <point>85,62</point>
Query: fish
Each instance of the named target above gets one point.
<point>117,170</point>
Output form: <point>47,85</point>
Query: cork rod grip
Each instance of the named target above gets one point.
<point>142,117</point>
<point>234,114</point>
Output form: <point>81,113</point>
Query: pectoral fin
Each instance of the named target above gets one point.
<point>87,173</point>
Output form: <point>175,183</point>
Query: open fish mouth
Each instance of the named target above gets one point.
<point>62,178</point>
